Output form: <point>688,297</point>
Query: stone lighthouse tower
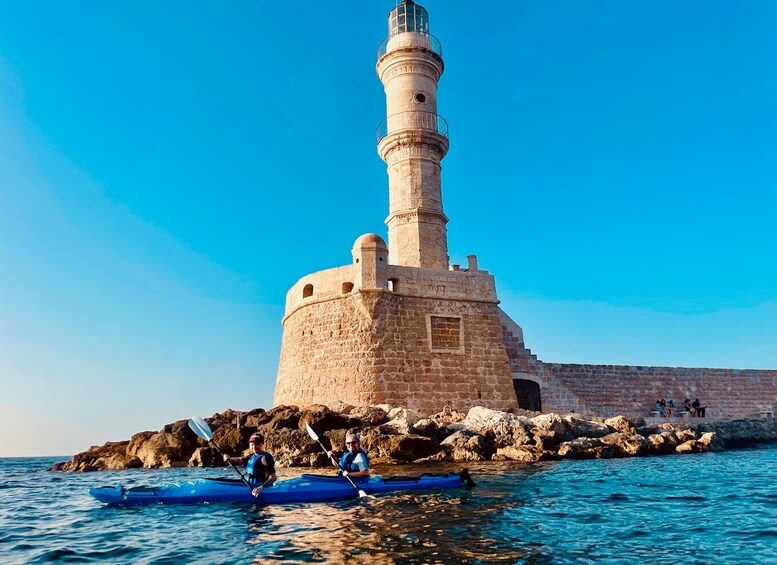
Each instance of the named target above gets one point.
<point>413,139</point>
<point>398,325</point>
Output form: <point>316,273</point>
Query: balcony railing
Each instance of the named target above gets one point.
<point>412,120</point>
<point>410,39</point>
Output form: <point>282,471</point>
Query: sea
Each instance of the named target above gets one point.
<point>705,508</point>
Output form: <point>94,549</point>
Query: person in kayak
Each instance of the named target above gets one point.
<point>260,467</point>
<point>355,462</point>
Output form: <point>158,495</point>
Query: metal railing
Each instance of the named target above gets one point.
<point>412,120</point>
<point>410,39</point>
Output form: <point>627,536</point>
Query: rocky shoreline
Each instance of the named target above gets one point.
<point>400,436</point>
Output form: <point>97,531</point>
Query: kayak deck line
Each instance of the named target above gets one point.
<point>304,488</point>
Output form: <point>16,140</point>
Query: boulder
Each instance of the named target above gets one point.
<point>429,428</point>
<point>255,418</point>
<point>409,414</point>
<point>465,445</point>
<point>369,415</point>
<point>480,419</point>
<point>233,441</point>
<point>550,430</point>
<point>662,443</point>
<point>206,457</point>
<point>690,446</point>
<point>711,441</point>
<point>581,428</point>
<point>161,450</point>
<point>397,426</point>
<point>110,456</point>
<point>621,424</point>
<point>393,448</point>
<point>282,417</point>
<point>322,419</point>
<point>626,445</point>
<point>586,448</point>
<point>524,453</point>
<point>292,447</point>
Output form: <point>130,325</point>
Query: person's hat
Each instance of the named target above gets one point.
<point>353,437</point>
<point>256,438</point>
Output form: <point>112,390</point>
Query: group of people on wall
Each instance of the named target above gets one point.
<point>665,408</point>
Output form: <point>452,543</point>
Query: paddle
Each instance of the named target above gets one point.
<point>202,429</point>
<point>314,437</point>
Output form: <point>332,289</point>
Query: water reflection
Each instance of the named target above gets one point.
<point>441,527</point>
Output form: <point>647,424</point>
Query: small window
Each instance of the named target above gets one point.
<point>420,97</point>
<point>307,291</point>
<point>347,287</point>
<point>393,285</point>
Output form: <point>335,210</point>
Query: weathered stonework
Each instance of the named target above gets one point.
<point>400,326</point>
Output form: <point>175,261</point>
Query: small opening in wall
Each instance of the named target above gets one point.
<point>307,291</point>
<point>420,97</point>
<point>357,260</point>
<point>392,285</point>
<point>347,287</point>
<point>380,259</point>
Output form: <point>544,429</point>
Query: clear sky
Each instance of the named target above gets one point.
<point>168,170</point>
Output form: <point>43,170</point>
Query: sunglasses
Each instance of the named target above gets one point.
<point>351,442</point>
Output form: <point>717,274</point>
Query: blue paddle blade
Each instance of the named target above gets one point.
<point>201,428</point>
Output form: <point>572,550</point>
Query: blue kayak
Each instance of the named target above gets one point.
<point>305,488</point>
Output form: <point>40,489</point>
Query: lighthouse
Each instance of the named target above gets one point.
<point>413,139</point>
<point>398,325</point>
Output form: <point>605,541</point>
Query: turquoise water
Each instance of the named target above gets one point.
<point>710,508</point>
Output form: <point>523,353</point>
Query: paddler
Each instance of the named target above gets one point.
<point>260,467</point>
<point>355,462</point>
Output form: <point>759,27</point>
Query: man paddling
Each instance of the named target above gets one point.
<point>355,462</point>
<point>260,467</point>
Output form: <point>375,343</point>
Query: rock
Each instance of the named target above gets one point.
<point>369,415</point>
<point>480,419</point>
<point>255,418</point>
<point>397,426</point>
<point>161,450</point>
<point>690,446</point>
<point>428,428</point>
<point>621,424</point>
<point>233,441</point>
<point>648,430</point>
<point>524,453</point>
<point>582,428</point>
<point>742,433</point>
<point>292,447</point>
<point>412,416</point>
<point>282,417</point>
<point>550,430</point>
<point>465,445</point>
<point>206,457</point>
<point>112,455</point>
<point>392,448</point>
<point>385,407</point>
<point>662,443</point>
<point>586,448</point>
<point>322,419</point>
<point>711,441</point>
<point>626,445</point>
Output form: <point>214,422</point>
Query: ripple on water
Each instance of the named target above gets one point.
<point>715,508</point>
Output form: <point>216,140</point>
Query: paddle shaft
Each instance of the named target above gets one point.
<point>353,484</point>
<point>242,476</point>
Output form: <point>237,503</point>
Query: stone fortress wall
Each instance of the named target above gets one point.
<point>609,390</point>
<point>371,333</point>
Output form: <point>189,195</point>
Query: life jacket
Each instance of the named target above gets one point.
<point>346,461</point>
<point>258,465</point>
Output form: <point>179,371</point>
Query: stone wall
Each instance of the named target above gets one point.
<point>609,390</point>
<point>375,346</point>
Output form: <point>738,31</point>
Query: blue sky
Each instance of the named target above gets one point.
<point>168,170</point>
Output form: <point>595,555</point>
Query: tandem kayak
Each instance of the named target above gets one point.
<point>305,488</point>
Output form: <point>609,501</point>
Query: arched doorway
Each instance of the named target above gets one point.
<point>528,393</point>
